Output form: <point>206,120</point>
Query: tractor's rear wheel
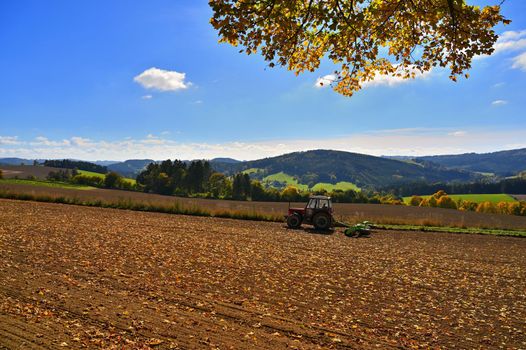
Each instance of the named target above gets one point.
<point>322,221</point>
<point>294,221</point>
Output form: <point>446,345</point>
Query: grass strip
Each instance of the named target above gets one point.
<point>463,230</point>
<point>176,208</point>
<point>46,183</point>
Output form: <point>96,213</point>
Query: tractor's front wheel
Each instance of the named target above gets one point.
<point>294,221</point>
<point>322,221</point>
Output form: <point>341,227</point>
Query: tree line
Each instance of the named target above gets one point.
<point>198,179</point>
<point>515,185</point>
<point>110,180</point>
<point>75,164</point>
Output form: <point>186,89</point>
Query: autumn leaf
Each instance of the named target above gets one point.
<point>418,35</point>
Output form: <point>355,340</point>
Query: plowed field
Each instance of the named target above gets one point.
<point>23,171</point>
<point>78,277</point>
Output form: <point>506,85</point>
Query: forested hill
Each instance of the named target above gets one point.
<point>503,163</point>
<point>131,167</point>
<point>75,164</point>
<point>328,166</point>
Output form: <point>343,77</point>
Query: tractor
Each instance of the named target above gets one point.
<point>317,212</point>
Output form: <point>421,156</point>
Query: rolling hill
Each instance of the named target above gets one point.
<point>326,166</point>
<point>15,161</point>
<point>130,168</point>
<point>503,163</point>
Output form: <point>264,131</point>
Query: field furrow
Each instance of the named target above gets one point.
<point>79,277</point>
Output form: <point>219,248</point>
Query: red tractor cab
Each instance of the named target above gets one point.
<point>317,212</point>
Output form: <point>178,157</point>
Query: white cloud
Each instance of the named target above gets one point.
<point>44,141</point>
<point>325,81</point>
<point>499,103</point>
<point>409,141</point>
<point>9,140</point>
<point>153,140</point>
<point>393,80</point>
<point>519,62</point>
<point>512,45</point>
<point>81,141</point>
<point>162,80</point>
<point>512,35</point>
<point>511,41</point>
<point>147,97</point>
<point>458,133</point>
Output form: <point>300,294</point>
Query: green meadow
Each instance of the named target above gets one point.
<point>102,176</point>
<point>45,183</point>
<point>288,180</point>
<point>285,179</point>
<point>477,198</point>
<point>342,185</point>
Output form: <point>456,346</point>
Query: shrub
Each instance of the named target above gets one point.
<point>467,205</point>
<point>502,208</point>
<point>59,175</point>
<point>112,180</point>
<point>290,194</point>
<point>514,208</point>
<point>415,201</point>
<point>432,202</point>
<point>439,194</point>
<point>390,199</point>
<point>446,202</point>
<point>95,181</point>
<point>487,207</point>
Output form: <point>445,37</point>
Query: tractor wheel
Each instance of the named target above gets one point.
<point>294,221</point>
<point>322,221</point>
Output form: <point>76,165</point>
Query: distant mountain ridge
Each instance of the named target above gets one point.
<point>225,160</point>
<point>15,161</point>
<point>501,163</point>
<point>327,166</point>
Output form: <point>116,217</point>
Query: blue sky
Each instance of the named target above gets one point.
<point>72,87</point>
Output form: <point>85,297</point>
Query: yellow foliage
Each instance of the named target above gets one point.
<point>290,193</point>
<point>446,202</point>
<point>467,205</point>
<point>299,34</point>
<point>487,207</point>
<point>415,201</point>
<point>439,194</point>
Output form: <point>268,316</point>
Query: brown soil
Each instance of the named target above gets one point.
<point>78,277</point>
<point>23,171</point>
<point>389,214</point>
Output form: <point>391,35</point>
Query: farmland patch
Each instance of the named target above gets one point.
<point>342,185</point>
<point>102,176</point>
<point>91,277</point>
<point>283,180</point>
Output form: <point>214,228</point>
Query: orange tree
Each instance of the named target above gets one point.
<point>363,38</point>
